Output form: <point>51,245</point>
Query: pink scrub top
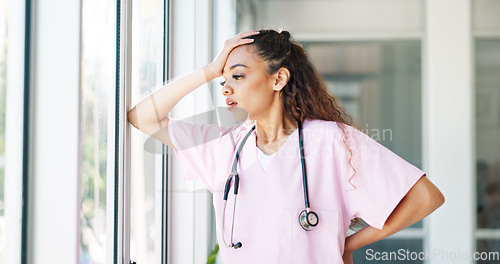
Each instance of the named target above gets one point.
<point>269,203</point>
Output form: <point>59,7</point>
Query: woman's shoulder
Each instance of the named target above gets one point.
<point>332,131</point>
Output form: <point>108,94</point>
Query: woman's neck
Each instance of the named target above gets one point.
<point>273,131</point>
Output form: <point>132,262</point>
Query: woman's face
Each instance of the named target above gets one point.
<point>247,82</point>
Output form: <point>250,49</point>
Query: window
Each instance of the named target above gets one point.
<point>146,161</point>
<point>98,83</point>
<point>378,88</point>
<point>488,144</point>
<point>379,83</point>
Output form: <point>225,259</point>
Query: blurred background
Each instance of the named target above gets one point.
<point>79,185</point>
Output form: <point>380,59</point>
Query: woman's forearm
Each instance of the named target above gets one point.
<point>419,202</point>
<point>155,107</point>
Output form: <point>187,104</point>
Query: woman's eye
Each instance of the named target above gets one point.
<point>235,77</point>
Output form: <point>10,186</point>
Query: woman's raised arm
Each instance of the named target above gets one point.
<point>150,114</point>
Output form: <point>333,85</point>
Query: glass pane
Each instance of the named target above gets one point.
<point>407,251</point>
<point>379,83</point>
<point>488,133</point>
<point>4,16</point>
<point>146,163</point>
<point>98,82</point>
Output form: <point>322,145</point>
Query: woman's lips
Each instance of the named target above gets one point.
<point>232,105</point>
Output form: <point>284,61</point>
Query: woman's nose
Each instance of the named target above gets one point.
<point>226,90</point>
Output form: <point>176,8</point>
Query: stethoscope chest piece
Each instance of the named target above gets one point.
<point>308,220</point>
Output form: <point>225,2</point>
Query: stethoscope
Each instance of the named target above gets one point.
<point>307,218</point>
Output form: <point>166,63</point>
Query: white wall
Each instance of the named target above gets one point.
<point>326,19</point>
<point>485,18</point>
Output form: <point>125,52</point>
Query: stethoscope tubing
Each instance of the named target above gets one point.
<point>303,165</point>
<point>227,187</point>
<point>303,217</point>
<point>239,150</point>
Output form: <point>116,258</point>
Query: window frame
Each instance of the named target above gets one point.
<point>17,147</point>
<point>122,217</point>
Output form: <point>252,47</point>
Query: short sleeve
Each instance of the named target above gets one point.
<point>196,147</point>
<point>381,180</point>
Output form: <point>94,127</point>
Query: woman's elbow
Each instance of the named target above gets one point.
<point>428,195</point>
<point>132,117</point>
<point>438,199</point>
<point>435,198</point>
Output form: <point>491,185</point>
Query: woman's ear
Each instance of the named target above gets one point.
<point>282,77</point>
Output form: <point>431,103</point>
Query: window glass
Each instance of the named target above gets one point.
<point>98,84</point>
<point>4,12</point>
<point>146,159</point>
<point>379,84</point>
<point>487,63</point>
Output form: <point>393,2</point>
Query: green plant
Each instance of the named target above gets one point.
<point>213,255</point>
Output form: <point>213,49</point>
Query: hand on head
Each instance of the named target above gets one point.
<point>214,69</point>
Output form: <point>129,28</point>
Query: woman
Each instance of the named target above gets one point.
<point>344,174</point>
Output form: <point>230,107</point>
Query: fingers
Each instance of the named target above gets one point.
<point>240,38</point>
<point>245,34</point>
<point>242,42</point>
